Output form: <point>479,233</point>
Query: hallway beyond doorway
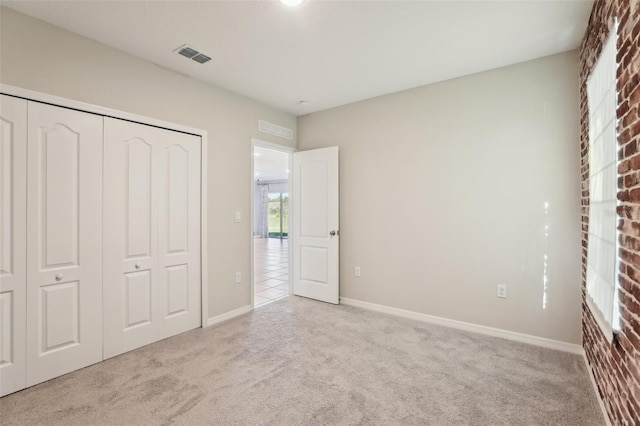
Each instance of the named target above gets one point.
<point>271,270</point>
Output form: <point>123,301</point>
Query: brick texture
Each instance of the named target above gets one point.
<point>616,365</point>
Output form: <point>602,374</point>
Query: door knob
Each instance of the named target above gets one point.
<point>59,277</point>
<point>137,265</point>
<point>332,233</point>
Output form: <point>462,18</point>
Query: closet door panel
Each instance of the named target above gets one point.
<point>179,234</point>
<point>64,241</point>
<point>177,198</point>
<point>59,149</point>
<point>13,272</point>
<point>138,299</point>
<point>138,198</point>
<point>131,218</point>
<point>152,219</point>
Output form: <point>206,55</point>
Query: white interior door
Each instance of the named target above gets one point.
<point>179,234</point>
<point>64,241</point>
<point>13,236</point>
<point>315,220</point>
<point>152,235</point>
<point>130,245</point>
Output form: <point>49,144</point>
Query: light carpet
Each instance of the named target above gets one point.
<point>302,362</point>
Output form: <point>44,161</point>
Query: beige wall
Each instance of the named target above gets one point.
<point>37,56</point>
<point>443,192</point>
<point>442,187</point>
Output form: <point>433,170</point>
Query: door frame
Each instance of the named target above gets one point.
<point>281,148</point>
<point>31,95</point>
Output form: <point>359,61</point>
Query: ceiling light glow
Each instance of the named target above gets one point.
<point>291,3</point>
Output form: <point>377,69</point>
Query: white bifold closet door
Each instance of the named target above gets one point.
<point>13,229</point>
<point>64,241</point>
<point>152,285</point>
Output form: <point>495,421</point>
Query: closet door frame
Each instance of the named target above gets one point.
<point>107,112</point>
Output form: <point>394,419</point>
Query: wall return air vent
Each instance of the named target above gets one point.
<point>191,53</point>
<point>274,129</point>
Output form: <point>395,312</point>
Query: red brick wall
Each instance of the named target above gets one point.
<point>616,365</point>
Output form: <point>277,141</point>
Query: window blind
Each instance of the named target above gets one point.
<point>602,259</point>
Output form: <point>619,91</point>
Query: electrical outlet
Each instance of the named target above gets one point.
<point>502,291</point>
<point>238,277</point>
<point>356,271</point>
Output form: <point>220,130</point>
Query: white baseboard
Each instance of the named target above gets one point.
<point>475,328</point>
<point>595,390</point>
<point>229,315</point>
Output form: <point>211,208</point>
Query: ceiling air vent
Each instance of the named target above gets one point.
<point>191,53</point>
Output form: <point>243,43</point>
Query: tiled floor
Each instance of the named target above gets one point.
<point>271,270</point>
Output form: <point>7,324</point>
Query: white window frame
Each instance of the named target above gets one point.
<point>602,251</point>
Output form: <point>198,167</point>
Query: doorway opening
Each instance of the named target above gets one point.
<point>271,276</point>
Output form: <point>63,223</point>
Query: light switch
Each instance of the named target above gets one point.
<point>237,219</point>
<point>502,291</point>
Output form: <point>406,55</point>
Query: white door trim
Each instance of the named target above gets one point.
<point>282,148</point>
<point>107,112</point>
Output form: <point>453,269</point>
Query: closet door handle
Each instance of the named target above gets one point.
<point>59,277</point>
<point>137,266</point>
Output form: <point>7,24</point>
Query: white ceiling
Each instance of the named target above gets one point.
<point>329,53</point>
<point>269,164</point>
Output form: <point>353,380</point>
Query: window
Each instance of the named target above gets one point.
<point>602,258</point>
<point>278,215</point>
